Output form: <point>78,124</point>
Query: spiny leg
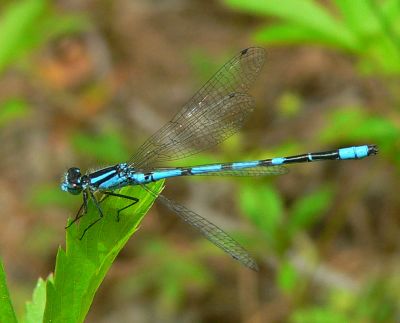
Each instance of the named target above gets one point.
<point>96,203</point>
<point>80,213</point>
<point>134,199</point>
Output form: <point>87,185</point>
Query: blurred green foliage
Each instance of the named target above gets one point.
<point>288,279</point>
<point>204,65</point>
<point>35,308</point>
<point>45,195</point>
<point>12,110</point>
<point>268,220</point>
<point>27,24</point>
<point>289,104</point>
<point>353,123</point>
<point>107,147</point>
<point>6,309</point>
<point>368,29</point>
<point>265,208</point>
<point>376,302</point>
<point>171,272</point>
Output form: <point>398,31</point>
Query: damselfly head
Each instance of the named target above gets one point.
<point>72,182</point>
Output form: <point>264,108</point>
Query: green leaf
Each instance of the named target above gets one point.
<point>359,16</point>
<point>309,208</point>
<point>391,12</point>
<point>6,309</point>
<point>264,207</point>
<point>289,104</point>
<point>303,14</point>
<point>384,53</point>
<point>35,308</point>
<point>293,34</point>
<point>16,23</point>
<point>107,145</point>
<point>45,194</point>
<point>318,315</point>
<point>55,25</point>
<point>169,275</point>
<point>11,110</point>
<point>287,277</point>
<point>354,124</point>
<point>82,267</point>
<point>26,24</point>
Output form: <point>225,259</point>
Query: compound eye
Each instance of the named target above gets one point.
<point>74,175</point>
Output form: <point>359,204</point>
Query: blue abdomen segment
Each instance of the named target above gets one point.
<point>120,175</point>
<point>160,174</point>
<point>205,169</point>
<point>355,152</point>
<point>278,161</point>
<point>242,165</point>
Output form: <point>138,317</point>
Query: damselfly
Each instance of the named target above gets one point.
<point>214,113</point>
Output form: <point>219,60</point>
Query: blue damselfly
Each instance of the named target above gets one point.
<point>214,113</point>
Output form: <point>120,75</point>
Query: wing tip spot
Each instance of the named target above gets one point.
<point>244,51</point>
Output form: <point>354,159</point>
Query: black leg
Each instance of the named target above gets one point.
<point>133,199</point>
<point>96,203</point>
<point>83,209</point>
<point>81,212</point>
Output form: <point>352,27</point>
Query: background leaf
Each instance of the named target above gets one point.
<point>309,208</point>
<point>359,16</point>
<point>16,23</point>
<point>287,277</point>
<point>11,110</point>
<point>6,309</point>
<point>307,15</point>
<point>26,24</point>
<point>35,309</point>
<point>264,207</point>
<point>292,34</point>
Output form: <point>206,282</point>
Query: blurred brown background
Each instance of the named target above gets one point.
<point>85,84</point>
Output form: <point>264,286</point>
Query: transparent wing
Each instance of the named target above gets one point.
<point>216,235</point>
<point>255,171</point>
<point>209,230</point>
<point>214,113</point>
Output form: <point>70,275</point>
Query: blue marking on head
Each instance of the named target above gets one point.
<point>64,186</point>
<point>241,165</point>
<point>278,161</point>
<point>205,169</point>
